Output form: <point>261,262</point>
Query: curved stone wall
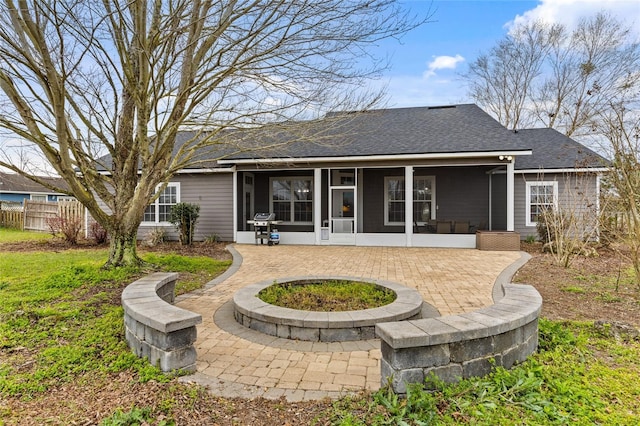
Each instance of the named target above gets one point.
<point>154,328</point>
<point>295,324</point>
<point>461,346</point>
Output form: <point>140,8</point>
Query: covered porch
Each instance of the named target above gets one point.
<point>371,204</point>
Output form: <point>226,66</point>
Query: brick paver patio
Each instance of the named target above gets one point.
<point>236,361</point>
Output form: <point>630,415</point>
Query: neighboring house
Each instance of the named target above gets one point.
<point>467,173</point>
<point>17,188</point>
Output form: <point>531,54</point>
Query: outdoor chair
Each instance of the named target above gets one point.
<point>461,227</point>
<point>443,227</point>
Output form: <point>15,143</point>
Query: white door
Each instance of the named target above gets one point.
<point>342,226</point>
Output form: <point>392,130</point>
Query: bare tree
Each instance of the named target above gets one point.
<point>569,228</point>
<point>545,74</point>
<point>84,78</point>
<point>502,80</point>
<point>622,128</point>
<point>600,60</point>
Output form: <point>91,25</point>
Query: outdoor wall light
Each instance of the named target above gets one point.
<point>505,157</point>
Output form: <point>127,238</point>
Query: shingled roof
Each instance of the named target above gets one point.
<point>453,129</point>
<point>553,150</point>
<point>13,182</point>
<point>398,131</point>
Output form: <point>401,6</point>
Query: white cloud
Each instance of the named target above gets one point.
<point>569,12</point>
<point>441,63</point>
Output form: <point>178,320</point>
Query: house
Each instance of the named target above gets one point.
<point>17,188</point>
<point>349,185</point>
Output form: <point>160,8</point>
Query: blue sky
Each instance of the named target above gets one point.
<point>426,64</point>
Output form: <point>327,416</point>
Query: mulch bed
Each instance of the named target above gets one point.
<point>586,290</point>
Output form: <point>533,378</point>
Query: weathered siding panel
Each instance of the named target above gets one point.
<point>214,194</point>
<point>577,194</point>
<point>519,205</point>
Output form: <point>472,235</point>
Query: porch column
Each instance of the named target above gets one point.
<point>235,205</point>
<point>408,204</point>
<point>317,205</point>
<point>510,196</point>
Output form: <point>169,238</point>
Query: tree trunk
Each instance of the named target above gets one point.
<point>122,250</point>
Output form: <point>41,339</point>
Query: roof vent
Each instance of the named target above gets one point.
<point>442,107</point>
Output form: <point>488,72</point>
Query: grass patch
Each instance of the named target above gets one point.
<point>10,235</point>
<point>61,318</point>
<point>133,417</point>
<point>195,271</point>
<point>327,296</point>
<point>577,377</point>
<point>574,289</point>
<point>608,297</point>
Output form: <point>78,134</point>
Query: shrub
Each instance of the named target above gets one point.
<point>98,233</point>
<point>547,226</point>
<point>184,216</point>
<point>155,236</point>
<point>211,239</point>
<point>67,227</point>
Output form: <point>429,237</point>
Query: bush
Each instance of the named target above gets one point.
<point>155,236</point>
<point>98,233</point>
<point>67,227</point>
<point>184,216</point>
<point>547,226</point>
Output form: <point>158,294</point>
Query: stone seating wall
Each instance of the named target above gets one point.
<point>154,328</point>
<point>461,346</point>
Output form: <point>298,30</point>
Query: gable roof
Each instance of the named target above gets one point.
<point>553,150</point>
<point>13,182</point>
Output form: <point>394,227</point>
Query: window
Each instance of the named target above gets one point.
<point>540,196</point>
<point>423,199</point>
<point>292,199</point>
<point>423,195</point>
<point>394,201</point>
<point>160,210</point>
<point>38,197</point>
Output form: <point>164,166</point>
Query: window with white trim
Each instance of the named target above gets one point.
<point>423,199</point>
<point>291,199</point>
<point>159,211</point>
<point>540,196</point>
<point>38,198</point>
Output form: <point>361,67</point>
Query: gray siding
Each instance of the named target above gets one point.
<point>214,194</point>
<point>577,193</point>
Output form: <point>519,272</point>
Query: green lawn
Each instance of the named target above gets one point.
<point>61,316</point>
<point>10,235</point>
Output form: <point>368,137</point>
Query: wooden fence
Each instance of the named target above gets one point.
<point>35,215</point>
<point>11,214</point>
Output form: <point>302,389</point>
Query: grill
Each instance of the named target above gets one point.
<point>264,226</point>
